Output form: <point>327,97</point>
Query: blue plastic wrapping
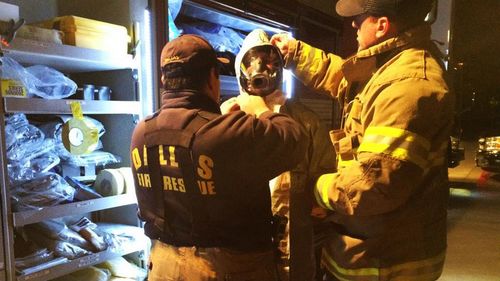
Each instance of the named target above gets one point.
<point>223,39</point>
<point>174,6</point>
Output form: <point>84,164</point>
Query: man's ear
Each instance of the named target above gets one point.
<point>384,27</point>
<point>162,79</point>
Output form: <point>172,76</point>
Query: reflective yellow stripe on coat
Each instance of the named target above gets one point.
<point>324,184</point>
<point>400,144</point>
<point>422,270</point>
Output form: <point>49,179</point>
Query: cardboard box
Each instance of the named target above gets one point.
<point>89,33</point>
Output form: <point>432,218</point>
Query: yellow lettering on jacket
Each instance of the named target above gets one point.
<point>207,187</point>
<point>170,160</point>
<point>144,180</point>
<point>136,158</point>
<point>171,151</point>
<point>205,164</point>
<point>172,183</point>
<point>145,155</point>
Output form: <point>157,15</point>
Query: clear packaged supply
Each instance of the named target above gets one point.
<point>47,189</point>
<point>27,170</point>
<point>39,80</point>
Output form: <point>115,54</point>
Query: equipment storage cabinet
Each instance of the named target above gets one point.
<point>118,115</point>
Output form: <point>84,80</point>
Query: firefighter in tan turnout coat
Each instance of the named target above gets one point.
<point>388,199</point>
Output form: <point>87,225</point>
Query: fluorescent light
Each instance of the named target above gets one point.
<point>146,66</point>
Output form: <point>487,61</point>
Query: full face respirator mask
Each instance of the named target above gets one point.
<point>261,70</point>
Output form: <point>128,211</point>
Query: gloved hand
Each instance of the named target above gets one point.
<point>229,105</point>
<point>282,41</point>
<point>251,104</point>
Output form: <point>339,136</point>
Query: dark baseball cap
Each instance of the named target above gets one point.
<point>416,9</point>
<point>190,52</point>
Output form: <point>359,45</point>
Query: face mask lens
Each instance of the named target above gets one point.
<point>261,69</point>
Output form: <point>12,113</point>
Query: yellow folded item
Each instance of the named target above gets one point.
<point>87,274</point>
<point>120,267</point>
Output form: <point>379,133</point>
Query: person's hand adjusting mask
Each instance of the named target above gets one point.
<point>250,104</point>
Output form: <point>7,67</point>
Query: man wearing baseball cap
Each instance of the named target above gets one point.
<point>387,202</point>
<point>202,178</point>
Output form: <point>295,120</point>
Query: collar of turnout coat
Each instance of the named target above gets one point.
<point>362,65</point>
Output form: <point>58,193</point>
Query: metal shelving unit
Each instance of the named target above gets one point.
<point>76,264</point>
<point>28,217</point>
<point>41,106</point>
<point>67,59</point>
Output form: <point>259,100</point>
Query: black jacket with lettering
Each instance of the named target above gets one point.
<point>234,157</point>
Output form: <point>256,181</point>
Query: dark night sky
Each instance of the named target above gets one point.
<point>477,43</point>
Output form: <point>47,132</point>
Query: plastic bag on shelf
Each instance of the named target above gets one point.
<point>27,152</point>
<point>49,83</point>
<point>47,189</point>
<point>119,236</point>
<point>10,135</point>
<point>48,235</point>
<point>38,257</point>
<point>39,80</point>
<point>27,170</point>
<point>97,158</point>
<point>10,69</point>
<point>28,138</point>
<point>63,249</point>
<point>52,129</point>
<point>57,230</point>
<point>16,120</point>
